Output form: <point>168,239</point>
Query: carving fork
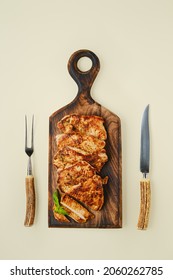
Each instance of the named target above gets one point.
<point>29,180</point>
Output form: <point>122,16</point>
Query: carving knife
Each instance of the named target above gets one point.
<point>145,191</point>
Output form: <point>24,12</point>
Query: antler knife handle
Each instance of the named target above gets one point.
<point>145,199</point>
<point>30,201</point>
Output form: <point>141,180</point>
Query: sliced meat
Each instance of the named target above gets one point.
<point>60,217</point>
<point>75,174</point>
<point>84,144</point>
<point>90,192</point>
<point>75,210</point>
<point>67,157</point>
<point>87,125</point>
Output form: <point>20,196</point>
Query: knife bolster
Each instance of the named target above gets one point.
<point>145,199</point>
<point>30,201</point>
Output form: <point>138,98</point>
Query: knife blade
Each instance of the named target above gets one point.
<point>145,189</point>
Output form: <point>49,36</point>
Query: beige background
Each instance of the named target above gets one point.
<point>134,42</point>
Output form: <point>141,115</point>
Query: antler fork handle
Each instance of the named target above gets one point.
<point>30,201</point>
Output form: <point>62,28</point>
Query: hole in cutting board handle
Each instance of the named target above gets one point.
<point>84,64</point>
<point>84,79</point>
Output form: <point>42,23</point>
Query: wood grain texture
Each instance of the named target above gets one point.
<point>110,216</point>
<point>30,201</point>
<point>145,195</point>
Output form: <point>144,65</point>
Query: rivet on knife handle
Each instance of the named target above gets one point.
<point>145,195</point>
<point>29,181</point>
<point>145,191</point>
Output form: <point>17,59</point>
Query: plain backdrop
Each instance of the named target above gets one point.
<point>134,42</point>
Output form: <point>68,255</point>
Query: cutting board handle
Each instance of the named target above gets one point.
<point>84,79</point>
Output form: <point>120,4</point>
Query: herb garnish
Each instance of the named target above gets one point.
<point>58,208</point>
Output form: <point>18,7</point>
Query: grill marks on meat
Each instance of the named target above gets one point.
<point>86,125</point>
<point>80,156</point>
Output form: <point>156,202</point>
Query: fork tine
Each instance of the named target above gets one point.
<point>32,135</point>
<point>25,132</point>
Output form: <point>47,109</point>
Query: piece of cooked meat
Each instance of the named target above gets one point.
<point>67,157</point>
<point>87,125</point>
<point>60,217</point>
<point>84,144</point>
<point>75,210</point>
<point>75,174</point>
<point>90,192</point>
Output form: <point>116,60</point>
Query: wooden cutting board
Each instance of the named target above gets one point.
<point>110,216</point>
